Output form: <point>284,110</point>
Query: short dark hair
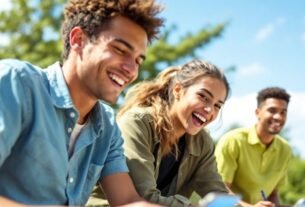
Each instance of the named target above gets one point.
<point>272,92</point>
<point>94,15</point>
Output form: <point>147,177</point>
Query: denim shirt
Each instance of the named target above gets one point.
<point>37,117</point>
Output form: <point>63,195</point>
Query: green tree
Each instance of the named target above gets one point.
<point>295,188</point>
<point>162,53</point>
<point>33,28</point>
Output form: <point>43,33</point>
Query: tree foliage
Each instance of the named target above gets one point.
<point>295,188</point>
<point>33,30</point>
<point>163,53</point>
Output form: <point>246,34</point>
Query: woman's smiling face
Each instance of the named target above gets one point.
<point>198,105</point>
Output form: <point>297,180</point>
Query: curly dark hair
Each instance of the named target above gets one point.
<point>272,92</point>
<point>93,16</point>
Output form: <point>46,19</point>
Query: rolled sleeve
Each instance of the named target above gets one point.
<point>116,161</point>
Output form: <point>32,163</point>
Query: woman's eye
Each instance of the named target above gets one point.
<point>203,97</point>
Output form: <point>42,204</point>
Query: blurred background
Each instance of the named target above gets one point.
<point>257,43</point>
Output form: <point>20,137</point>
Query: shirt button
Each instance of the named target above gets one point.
<point>71,180</point>
<point>69,130</point>
<point>72,114</point>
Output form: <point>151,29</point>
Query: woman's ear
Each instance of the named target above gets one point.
<point>177,91</point>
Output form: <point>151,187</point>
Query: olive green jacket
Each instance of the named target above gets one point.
<point>197,172</point>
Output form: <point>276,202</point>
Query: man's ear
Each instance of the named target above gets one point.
<point>257,110</point>
<point>77,38</point>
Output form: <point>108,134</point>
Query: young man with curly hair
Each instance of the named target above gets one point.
<point>253,161</point>
<point>57,139</point>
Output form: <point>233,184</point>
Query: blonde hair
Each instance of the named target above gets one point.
<point>158,94</point>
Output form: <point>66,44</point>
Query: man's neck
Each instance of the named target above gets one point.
<point>81,100</point>
<point>265,138</point>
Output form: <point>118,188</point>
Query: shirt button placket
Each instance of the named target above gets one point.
<point>71,180</point>
<point>72,114</point>
<point>69,130</point>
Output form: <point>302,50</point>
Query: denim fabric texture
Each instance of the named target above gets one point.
<point>37,117</point>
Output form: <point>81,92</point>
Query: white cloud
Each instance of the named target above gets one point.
<point>267,30</point>
<point>241,110</point>
<point>264,33</point>
<point>6,5</point>
<point>251,70</point>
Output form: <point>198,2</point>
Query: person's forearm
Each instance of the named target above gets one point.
<point>141,204</point>
<point>245,204</point>
<point>5,202</point>
<point>240,203</point>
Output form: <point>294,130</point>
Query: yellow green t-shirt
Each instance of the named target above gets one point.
<point>249,166</point>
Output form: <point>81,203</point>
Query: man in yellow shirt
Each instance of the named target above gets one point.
<point>253,161</point>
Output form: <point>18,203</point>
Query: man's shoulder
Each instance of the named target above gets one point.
<point>143,113</point>
<point>19,66</point>
<point>106,110</point>
<point>237,134</point>
<point>21,74</point>
<point>283,143</point>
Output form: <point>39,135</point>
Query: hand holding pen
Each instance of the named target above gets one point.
<point>263,195</point>
<point>265,202</point>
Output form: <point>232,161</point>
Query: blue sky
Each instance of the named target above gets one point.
<point>265,41</point>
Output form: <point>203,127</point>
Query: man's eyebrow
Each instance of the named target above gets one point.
<point>128,45</point>
<point>209,92</point>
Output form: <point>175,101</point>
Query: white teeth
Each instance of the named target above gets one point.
<point>200,117</point>
<point>117,79</point>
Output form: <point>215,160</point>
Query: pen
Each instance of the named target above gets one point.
<point>263,195</point>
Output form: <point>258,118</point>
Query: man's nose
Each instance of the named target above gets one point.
<point>131,68</point>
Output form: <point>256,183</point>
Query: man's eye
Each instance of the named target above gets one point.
<point>119,50</point>
<point>272,111</point>
<point>218,107</point>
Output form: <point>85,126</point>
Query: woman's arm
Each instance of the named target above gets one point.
<point>139,143</point>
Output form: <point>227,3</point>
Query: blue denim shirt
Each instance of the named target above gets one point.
<point>37,116</point>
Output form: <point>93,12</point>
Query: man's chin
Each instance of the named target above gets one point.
<point>110,101</point>
<point>274,132</point>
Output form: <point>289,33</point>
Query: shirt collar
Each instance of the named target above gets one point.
<point>61,98</point>
<point>254,139</point>
<point>58,88</point>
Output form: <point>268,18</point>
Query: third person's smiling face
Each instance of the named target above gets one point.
<point>271,116</point>
<point>112,62</point>
<point>198,105</point>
